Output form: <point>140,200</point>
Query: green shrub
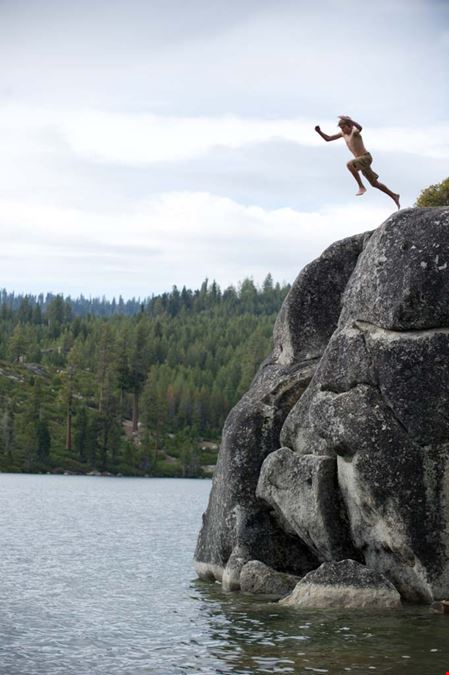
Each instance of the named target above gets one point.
<point>435,195</point>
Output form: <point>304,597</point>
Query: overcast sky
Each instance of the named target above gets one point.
<point>146,143</point>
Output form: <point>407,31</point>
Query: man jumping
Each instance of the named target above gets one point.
<point>350,131</point>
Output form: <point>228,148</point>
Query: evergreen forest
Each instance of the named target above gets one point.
<point>136,387</point>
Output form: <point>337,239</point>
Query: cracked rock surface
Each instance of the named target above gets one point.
<point>341,447</point>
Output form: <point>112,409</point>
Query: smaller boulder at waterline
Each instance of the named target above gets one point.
<point>347,585</point>
<point>256,577</point>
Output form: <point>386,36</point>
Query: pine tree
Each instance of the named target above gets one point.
<point>8,429</point>
<point>81,435</point>
<point>139,364</point>
<point>43,440</point>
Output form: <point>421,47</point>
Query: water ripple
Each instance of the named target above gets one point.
<point>97,579</point>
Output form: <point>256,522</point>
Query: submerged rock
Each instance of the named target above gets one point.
<point>256,577</point>
<point>346,585</point>
<point>440,607</point>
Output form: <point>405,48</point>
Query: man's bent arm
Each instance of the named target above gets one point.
<point>349,119</point>
<point>326,136</point>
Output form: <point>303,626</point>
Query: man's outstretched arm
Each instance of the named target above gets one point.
<point>326,136</point>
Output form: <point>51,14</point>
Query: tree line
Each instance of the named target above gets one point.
<point>132,392</point>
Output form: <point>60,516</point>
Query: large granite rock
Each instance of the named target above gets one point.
<point>237,526</point>
<point>343,585</point>
<point>341,447</point>
<point>258,578</point>
<point>378,403</point>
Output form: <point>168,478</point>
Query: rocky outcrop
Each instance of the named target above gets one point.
<point>401,281</point>
<point>258,578</point>
<point>378,404</point>
<point>343,585</point>
<point>341,446</point>
<point>237,526</point>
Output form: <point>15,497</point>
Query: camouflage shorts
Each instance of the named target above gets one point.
<point>363,164</point>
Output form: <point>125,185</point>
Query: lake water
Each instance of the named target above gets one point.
<point>96,578</point>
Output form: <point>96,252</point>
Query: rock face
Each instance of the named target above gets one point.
<point>345,585</point>
<point>341,447</point>
<point>237,526</point>
<point>256,577</point>
<point>303,490</point>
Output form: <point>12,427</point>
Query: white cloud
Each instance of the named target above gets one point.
<point>426,140</point>
<point>253,57</point>
<point>181,102</point>
<point>172,238</point>
<point>144,139</point>
<point>136,140</point>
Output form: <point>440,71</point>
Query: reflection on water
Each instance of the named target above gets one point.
<point>251,636</point>
<point>97,579</point>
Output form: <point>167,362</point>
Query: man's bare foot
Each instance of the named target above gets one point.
<point>362,191</point>
<point>396,201</point>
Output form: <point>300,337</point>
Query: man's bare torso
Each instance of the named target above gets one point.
<point>354,142</point>
<point>350,132</point>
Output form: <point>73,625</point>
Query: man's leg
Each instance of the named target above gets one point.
<point>355,173</point>
<point>383,188</point>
